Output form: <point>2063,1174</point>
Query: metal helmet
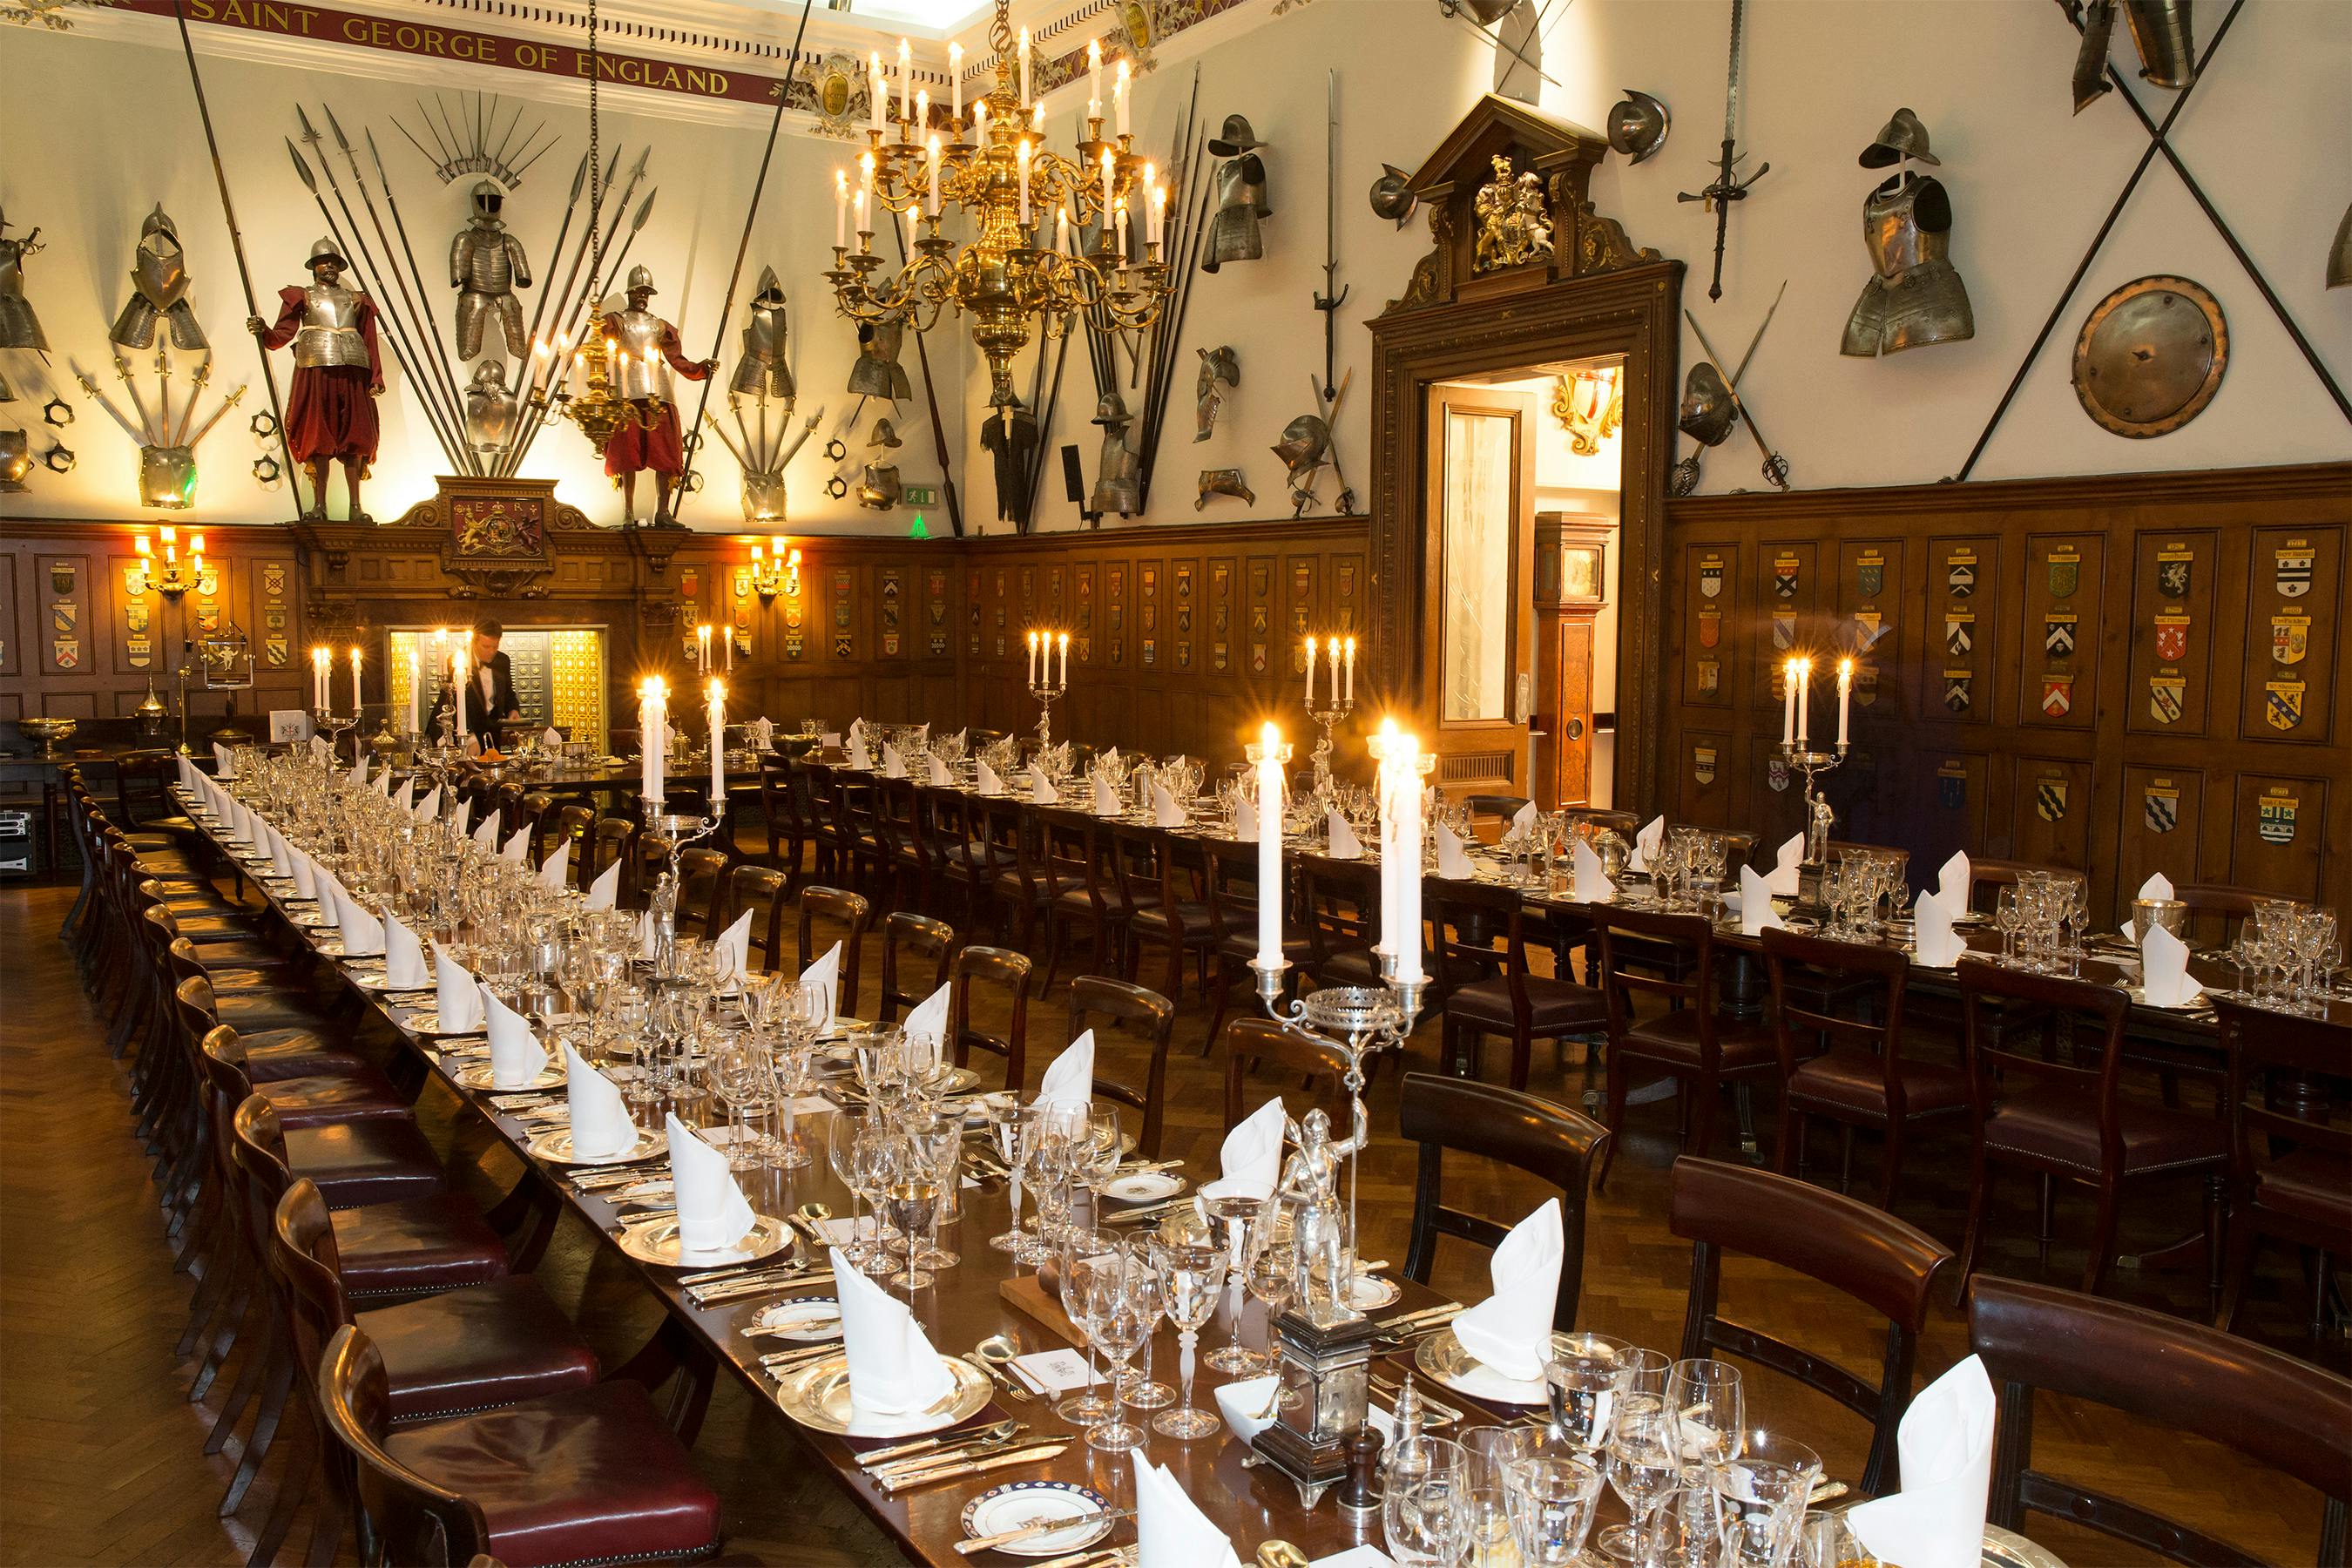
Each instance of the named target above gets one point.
<point>1486,13</point>
<point>1709,405</point>
<point>642,277</point>
<point>884,435</point>
<point>1394,196</point>
<point>488,198</point>
<point>1235,138</point>
<point>1637,125</point>
<point>1112,410</point>
<point>159,222</point>
<point>1304,441</point>
<point>771,293</point>
<point>1904,137</point>
<point>321,248</point>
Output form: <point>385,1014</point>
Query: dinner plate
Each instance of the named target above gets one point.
<point>2197,1004</point>
<point>809,1319</point>
<point>818,1397</point>
<point>1369,1292</point>
<point>554,1146</point>
<point>1444,1361</point>
<point>479,1076</point>
<point>427,1021</point>
<point>658,1241</point>
<point>1020,1504</point>
<point>1143,1188</point>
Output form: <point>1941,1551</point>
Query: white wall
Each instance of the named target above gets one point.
<point>100,126</point>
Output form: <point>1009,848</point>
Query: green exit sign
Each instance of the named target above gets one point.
<point>921,495</point>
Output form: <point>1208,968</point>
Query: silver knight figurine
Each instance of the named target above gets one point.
<point>880,491</point>
<point>1221,372</point>
<point>19,327</point>
<point>159,288</point>
<point>1233,234</point>
<point>1118,482</point>
<point>1914,297</point>
<point>486,267</point>
<point>763,372</point>
<point>877,372</point>
<point>1310,1187</point>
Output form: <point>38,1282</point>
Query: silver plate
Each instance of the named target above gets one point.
<point>427,1021</point>
<point>1443,1359</point>
<point>554,1146</point>
<point>477,1076</point>
<point>818,1397</point>
<point>657,1241</point>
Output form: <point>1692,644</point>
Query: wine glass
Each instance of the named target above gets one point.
<point>1759,1498</point>
<point>1192,1274</point>
<point>845,1148</point>
<point>1550,1502</point>
<point>1642,1469</point>
<point>1082,1252</point>
<point>910,1186</point>
<point>1120,1314</point>
<point>2008,915</point>
<point>1234,1214</point>
<point>941,1136</point>
<point>738,1076</point>
<point>1140,1392</point>
<point>1272,1276</point>
<point>1586,1381</point>
<point>1706,1412</point>
<point>1013,1130</point>
<point>1422,1524</point>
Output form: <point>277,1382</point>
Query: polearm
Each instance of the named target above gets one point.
<point>544,392</point>
<point>236,248</point>
<point>931,400</point>
<point>742,247</point>
<point>620,257</point>
<point>399,226</point>
<point>394,334</point>
<point>528,368</point>
<point>537,386</point>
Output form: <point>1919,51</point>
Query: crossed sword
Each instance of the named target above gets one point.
<point>1776,467</point>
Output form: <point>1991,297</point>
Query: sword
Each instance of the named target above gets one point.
<point>1776,467</point>
<point>90,386</point>
<point>1329,301</point>
<point>1727,186</point>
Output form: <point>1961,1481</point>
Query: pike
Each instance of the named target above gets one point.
<point>237,248</point>
<point>538,310</point>
<point>400,226</point>
<point>742,247</point>
<point>542,394</point>
<point>931,398</point>
<point>1180,247</point>
<point>1727,186</point>
<point>603,293</point>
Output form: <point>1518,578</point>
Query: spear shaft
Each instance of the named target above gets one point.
<point>542,392</point>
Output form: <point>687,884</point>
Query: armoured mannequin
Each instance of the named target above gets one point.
<point>1010,434</point>
<point>880,491</point>
<point>1221,372</point>
<point>1709,405</point>
<point>330,414</point>
<point>491,408</point>
<point>19,327</point>
<point>1233,234</point>
<point>2160,33</point>
<point>763,369</point>
<point>1914,297</point>
<point>159,287</point>
<point>1118,482</point>
<point>486,267</point>
<point>647,352</point>
<point>877,372</point>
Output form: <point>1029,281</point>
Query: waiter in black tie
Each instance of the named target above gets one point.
<point>490,686</point>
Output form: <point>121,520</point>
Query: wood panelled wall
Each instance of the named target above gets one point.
<point>2022,648</point>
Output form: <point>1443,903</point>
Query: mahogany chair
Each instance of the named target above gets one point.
<point>1548,1140</point>
<point>1166,908</point>
<point>572,821</point>
<point>1081,852</point>
<point>1318,1064</point>
<point>1499,808</point>
<point>761,891</point>
<point>1864,1078</point>
<point>1689,1042</point>
<point>1340,903</point>
<point>970,860</point>
<point>850,913</point>
<point>1107,1007</point>
<point>978,964</point>
<point>2037,1111</point>
<point>780,810</point>
<point>1987,878</point>
<point>2289,1169</point>
<point>1229,878</point>
<point>701,890</point>
<point>2274,1409</point>
<point>902,826</point>
<point>590,1475</point>
<point>1491,991</point>
<point>919,937</point>
<point>1864,1252</point>
<point>539,808</point>
<point>1024,897</point>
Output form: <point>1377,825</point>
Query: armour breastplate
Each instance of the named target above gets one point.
<point>330,328</point>
<point>1896,229</point>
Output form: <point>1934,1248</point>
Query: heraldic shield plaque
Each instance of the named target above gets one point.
<point>497,533</point>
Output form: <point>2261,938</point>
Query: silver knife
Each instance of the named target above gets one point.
<point>961,1467</point>
<point>1044,1527</point>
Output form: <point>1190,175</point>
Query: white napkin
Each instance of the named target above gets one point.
<point>319,748</point>
<point>2158,887</point>
<point>1069,1083</point>
<point>359,775</point>
<point>281,853</point>
<point>517,847</point>
<point>733,949</point>
<point>605,888</point>
<point>516,1058</point>
<point>1591,882</point>
<point>1245,821</point>
<point>893,1370</point>
<point>858,760</point>
<point>765,729</point>
<point>1111,756</point>
<point>601,1126</point>
<point>1041,788</point>
<point>1252,1156</point>
<point>929,1023</point>
<point>1783,877</point>
<point>858,731</point>
<point>429,809</point>
<point>989,782</point>
<point>1932,941</point>
<point>826,971</point>
<point>1345,845</point>
<point>1952,884</point>
<point>1647,843</point>
<point>1452,860</point>
<point>1523,821</point>
<point>939,776</point>
<point>457,999</point>
<point>406,798</point>
<point>486,834</point>
<point>1171,1530</point>
<point>1756,911</point>
<point>463,815</point>
<point>551,736</point>
<point>306,879</point>
<point>1107,803</point>
<point>2164,970</point>
<point>1945,1440</point>
<point>383,782</point>
<point>1510,1330</point>
<point>557,867</point>
<point>712,1214</point>
<point>362,933</point>
<point>404,957</point>
<point>1165,812</point>
<point>894,762</point>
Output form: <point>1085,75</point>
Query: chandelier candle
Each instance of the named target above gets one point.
<point>906,89</point>
<point>1028,95</point>
<point>955,82</point>
<point>1118,96</point>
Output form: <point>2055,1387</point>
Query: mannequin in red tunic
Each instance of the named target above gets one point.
<point>338,375</point>
<point>645,350</point>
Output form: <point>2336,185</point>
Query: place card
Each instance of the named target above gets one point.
<point>1053,1372</point>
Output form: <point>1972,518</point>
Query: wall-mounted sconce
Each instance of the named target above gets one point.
<point>773,574</point>
<point>176,577</point>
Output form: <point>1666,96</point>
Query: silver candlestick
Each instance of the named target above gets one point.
<point>1046,690</point>
<point>334,729</point>
<point>1333,710</point>
<point>1818,819</point>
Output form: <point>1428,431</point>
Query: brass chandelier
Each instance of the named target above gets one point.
<point>1013,280</point>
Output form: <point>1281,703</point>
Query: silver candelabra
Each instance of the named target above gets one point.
<point>1047,688</point>
<point>1333,710</point>
<point>1819,818</point>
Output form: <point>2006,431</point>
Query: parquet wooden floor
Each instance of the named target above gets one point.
<point>103,1452</point>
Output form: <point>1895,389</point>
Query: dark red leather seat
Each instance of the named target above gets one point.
<point>404,1248</point>
<point>1843,1080</point>
<point>363,1094</point>
<point>273,1055</point>
<point>2060,1126</point>
<point>2310,1185</point>
<point>1559,1007</point>
<point>1674,1037</point>
<point>357,1163</point>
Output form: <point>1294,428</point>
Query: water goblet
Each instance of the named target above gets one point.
<point>1234,1214</point>
<point>1192,1276</point>
<point>1706,1410</point>
<point>1761,1493</point>
<point>1081,1254</point>
<point>1550,1502</point>
<point>1121,1312</point>
<point>1422,1524</point>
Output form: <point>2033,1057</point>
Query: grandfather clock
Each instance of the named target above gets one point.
<point>1572,573</point>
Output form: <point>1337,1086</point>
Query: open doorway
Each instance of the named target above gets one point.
<point>559,674</point>
<point>1527,472</point>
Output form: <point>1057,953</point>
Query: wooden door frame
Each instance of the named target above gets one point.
<point>1629,311</point>
<point>1523,409</point>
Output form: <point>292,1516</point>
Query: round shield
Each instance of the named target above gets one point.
<point>1637,125</point>
<point>2151,356</point>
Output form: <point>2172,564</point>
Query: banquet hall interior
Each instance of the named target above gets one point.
<point>1675,901</point>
